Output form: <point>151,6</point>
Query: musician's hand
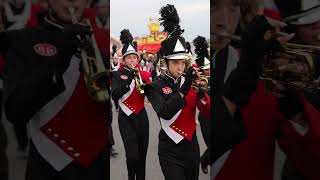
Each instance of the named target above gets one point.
<point>257,40</point>
<point>190,74</point>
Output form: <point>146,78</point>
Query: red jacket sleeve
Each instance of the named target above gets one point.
<point>204,108</point>
<point>302,150</point>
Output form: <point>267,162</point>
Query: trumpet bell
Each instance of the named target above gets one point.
<point>93,67</point>
<point>303,80</point>
<point>98,88</point>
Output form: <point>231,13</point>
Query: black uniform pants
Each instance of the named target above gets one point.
<point>205,129</point>
<point>179,161</point>
<point>39,169</point>
<point>3,154</point>
<point>134,130</point>
<point>20,131</point>
<point>3,148</point>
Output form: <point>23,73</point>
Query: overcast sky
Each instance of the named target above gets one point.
<point>134,15</point>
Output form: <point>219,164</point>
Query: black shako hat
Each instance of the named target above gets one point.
<point>174,46</point>
<point>128,46</point>
<point>201,49</point>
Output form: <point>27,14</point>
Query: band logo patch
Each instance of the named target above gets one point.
<point>44,49</point>
<point>167,90</point>
<point>124,77</point>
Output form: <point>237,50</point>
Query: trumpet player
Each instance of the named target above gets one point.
<point>307,31</point>
<point>127,93</point>
<point>175,103</point>
<point>203,64</point>
<point>288,117</point>
<point>45,89</point>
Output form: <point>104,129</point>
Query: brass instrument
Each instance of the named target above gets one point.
<point>95,72</point>
<point>202,81</point>
<point>139,83</point>
<point>228,36</point>
<point>296,53</point>
<point>300,53</point>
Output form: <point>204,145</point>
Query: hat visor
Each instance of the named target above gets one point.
<point>307,17</point>
<point>130,52</point>
<point>182,56</point>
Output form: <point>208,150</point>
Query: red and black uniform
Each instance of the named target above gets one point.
<point>44,87</point>
<point>18,18</point>
<point>178,145</point>
<point>264,119</point>
<point>133,120</point>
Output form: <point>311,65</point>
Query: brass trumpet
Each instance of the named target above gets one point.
<point>95,72</point>
<point>301,53</point>
<point>228,36</point>
<point>138,80</point>
<point>297,53</point>
<point>201,82</point>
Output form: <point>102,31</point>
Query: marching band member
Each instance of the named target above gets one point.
<point>175,103</point>
<point>133,119</point>
<point>44,88</point>
<point>115,65</point>
<point>203,63</point>
<point>307,31</point>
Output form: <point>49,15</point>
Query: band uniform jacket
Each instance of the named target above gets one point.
<point>253,157</point>
<point>177,115</point>
<point>125,94</point>
<point>44,86</point>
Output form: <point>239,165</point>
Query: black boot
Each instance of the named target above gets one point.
<point>132,168</point>
<point>205,161</point>
<point>141,171</point>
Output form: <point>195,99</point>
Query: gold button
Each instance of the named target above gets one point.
<point>62,141</point>
<point>70,148</point>
<point>76,154</point>
<point>49,130</point>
